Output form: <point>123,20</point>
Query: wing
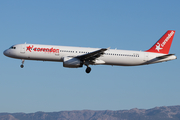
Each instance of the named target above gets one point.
<point>92,55</point>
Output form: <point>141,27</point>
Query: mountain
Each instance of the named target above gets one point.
<point>157,113</point>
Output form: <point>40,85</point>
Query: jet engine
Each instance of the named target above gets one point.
<point>72,62</point>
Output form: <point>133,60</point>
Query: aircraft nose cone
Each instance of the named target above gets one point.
<point>5,52</point>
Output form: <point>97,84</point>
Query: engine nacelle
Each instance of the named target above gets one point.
<point>72,62</point>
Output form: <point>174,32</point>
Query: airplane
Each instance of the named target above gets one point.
<point>75,57</point>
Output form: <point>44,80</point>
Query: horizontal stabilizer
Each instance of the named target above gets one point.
<point>165,56</point>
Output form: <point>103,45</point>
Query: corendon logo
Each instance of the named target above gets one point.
<point>167,39</point>
<point>37,49</point>
<point>29,48</point>
<point>160,46</point>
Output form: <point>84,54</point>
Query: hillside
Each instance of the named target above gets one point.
<point>157,113</point>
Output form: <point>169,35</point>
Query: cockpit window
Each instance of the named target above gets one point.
<point>12,47</point>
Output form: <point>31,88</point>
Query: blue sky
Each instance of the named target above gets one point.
<point>47,86</point>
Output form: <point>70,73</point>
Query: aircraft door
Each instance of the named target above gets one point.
<point>57,55</point>
<point>146,57</point>
<point>23,49</point>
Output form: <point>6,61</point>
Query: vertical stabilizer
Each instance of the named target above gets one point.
<point>163,44</point>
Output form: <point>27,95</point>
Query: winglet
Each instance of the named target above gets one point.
<point>163,44</point>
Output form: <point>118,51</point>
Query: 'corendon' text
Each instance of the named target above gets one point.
<point>167,39</point>
<point>38,49</point>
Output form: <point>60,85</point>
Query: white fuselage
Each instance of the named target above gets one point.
<point>58,53</point>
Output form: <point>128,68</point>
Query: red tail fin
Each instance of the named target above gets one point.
<point>163,44</point>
